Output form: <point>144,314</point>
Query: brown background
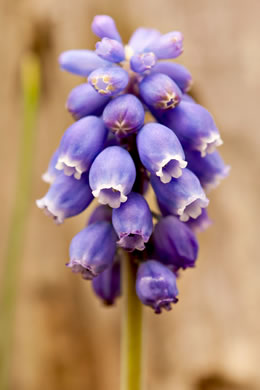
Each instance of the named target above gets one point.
<point>64,338</point>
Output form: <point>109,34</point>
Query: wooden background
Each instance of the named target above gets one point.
<point>64,338</point>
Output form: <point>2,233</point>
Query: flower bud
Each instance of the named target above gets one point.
<point>93,249</point>
<point>81,62</point>
<point>160,151</point>
<point>124,115</point>
<point>142,62</point>
<point>100,213</point>
<point>83,100</point>
<point>109,81</point>
<point>104,26</point>
<point>66,197</point>
<point>201,223</point>
<point>112,176</point>
<point>194,126</point>
<point>80,144</point>
<point>178,73</point>
<point>160,92</point>
<point>141,38</point>
<point>156,285</point>
<point>50,175</point>
<point>107,284</point>
<point>183,197</point>
<point>133,223</point>
<point>167,46</point>
<point>210,169</point>
<point>175,243</point>
<point>110,50</point>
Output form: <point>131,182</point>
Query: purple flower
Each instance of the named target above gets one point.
<point>175,243</point>
<point>112,176</point>
<point>110,50</point>
<point>160,151</point>
<point>80,144</point>
<point>50,175</point>
<point>141,38</point>
<point>93,249</point>
<point>167,46</point>
<point>143,62</point>
<point>156,285</point>
<point>160,92</point>
<point>210,169</point>
<point>178,73</point>
<point>107,284</point>
<point>194,126</point>
<point>133,223</point>
<point>109,81</point>
<point>81,62</point>
<point>66,197</point>
<point>100,213</point>
<point>201,223</point>
<point>124,115</point>
<point>183,197</point>
<point>83,100</point>
<point>104,26</point>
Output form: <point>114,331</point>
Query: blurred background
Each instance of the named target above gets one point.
<point>64,338</point>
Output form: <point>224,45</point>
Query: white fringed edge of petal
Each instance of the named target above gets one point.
<point>165,177</point>
<point>192,207</point>
<point>49,210</point>
<point>69,167</point>
<point>209,144</point>
<point>116,188</point>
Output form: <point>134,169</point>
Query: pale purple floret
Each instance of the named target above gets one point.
<point>177,72</point>
<point>160,92</point>
<point>112,176</point>
<point>124,115</point>
<point>109,81</point>
<point>156,285</point>
<point>210,169</point>
<point>66,197</point>
<point>175,244</point>
<point>81,62</point>
<point>187,98</point>
<point>107,284</point>
<point>104,26</point>
<point>83,100</point>
<point>100,213</point>
<point>133,223</point>
<point>80,144</point>
<point>141,38</point>
<point>201,223</point>
<point>143,62</point>
<point>50,175</point>
<point>194,126</point>
<point>167,46</point>
<point>160,151</point>
<point>110,50</point>
<point>183,197</point>
<point>93,249</point>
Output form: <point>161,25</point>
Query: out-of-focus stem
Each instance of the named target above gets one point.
<point>131,337</point>
<point>30,80</point>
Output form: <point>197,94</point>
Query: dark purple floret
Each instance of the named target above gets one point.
<point>107,284</point>
<point>156,285</point>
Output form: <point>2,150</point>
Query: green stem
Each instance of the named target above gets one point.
<point>30,74</point>
<point>131,354</point>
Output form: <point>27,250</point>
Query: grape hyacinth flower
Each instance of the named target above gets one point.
<point>156,285</point>
<point>93,249</point>
<point>114,149</point>
<point>133,223</point>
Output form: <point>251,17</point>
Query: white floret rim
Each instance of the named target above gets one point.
<point>209,144</point>
<point>176,172</point>
<point>192,207</point>
<point>104,198</point>
<point>50,210</point>
<point>70,167</point>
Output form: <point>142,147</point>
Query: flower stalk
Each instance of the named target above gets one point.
<point>30,80</point>
<point>131,337</point>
